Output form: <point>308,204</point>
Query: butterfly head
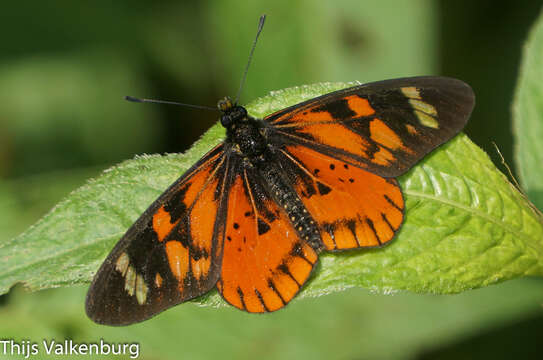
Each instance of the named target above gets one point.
<point>231,113</point>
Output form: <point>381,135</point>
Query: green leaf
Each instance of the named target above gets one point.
<point>528,116</point>
<point>465,227</point>
<point>24,201</point>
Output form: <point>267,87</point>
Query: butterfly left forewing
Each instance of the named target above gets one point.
<point>171,254</point>
<point>384,127</point>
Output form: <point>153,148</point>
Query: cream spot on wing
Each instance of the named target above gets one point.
<point>411,129</point>
<point>411,92</point>
<point>141,290</point>
<point>133,282</point>
<point>130,280</point>
<point>423,106</point>
<point>158,280</point>
<point>426,120</point>
<point>426,113</point>
<point>122,263</point>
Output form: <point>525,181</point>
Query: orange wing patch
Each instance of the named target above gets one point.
<point>353,207</point>
<point>265,262</point>
<point>162,224</point>
<point>337,136</point>
<point>381,147</point>
<point>318,112</point>
<point>359,105</point>
<point>188,191</point>
<point>177,258</point>
<point>202,220</point>
<point>384,135</point>
<point>200,213</point>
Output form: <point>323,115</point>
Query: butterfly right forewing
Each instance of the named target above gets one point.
<point>171,254</point>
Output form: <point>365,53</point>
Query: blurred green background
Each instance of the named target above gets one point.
<point>65,67</point>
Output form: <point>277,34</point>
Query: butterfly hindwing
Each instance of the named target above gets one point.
<point>384,127</point>
<point>352,207</point>
<point>172,252</point>
<point>265,261</point>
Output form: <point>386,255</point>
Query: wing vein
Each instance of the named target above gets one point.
<point>251,198</point>
<point>306,170</point>
<point>326,149</point>
<point>209,179</point>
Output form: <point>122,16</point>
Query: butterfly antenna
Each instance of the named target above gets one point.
<point>138,100</point>
<point>260,26</point>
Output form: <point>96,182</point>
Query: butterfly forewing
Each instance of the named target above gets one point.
<point>171,254</point>
<point>384,127</point>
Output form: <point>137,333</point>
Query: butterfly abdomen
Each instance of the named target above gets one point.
<point>283,193</point>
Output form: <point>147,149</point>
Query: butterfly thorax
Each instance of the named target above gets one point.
<point>242,131</point>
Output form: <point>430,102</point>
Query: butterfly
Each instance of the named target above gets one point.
<point>251,217</point>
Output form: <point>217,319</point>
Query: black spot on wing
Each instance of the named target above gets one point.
<point>263,227</point>
<point>284,268</point>
<point>261,299</point>
<point>372,227</point>
<point>298,251</point>
<point>241,297</point>
<point>339,109</point>
<point>323,189</point>
<point>198,253</point>
<point>271,285</point>
<point>179,233</point>
<point>329,228</point>
<point>383,216</point>
<point>389,200</point>
<point>269,215</point>
<point>175,205</point>
<point>351,225</point>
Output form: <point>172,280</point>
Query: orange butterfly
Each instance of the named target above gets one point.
<point>251,217</point>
